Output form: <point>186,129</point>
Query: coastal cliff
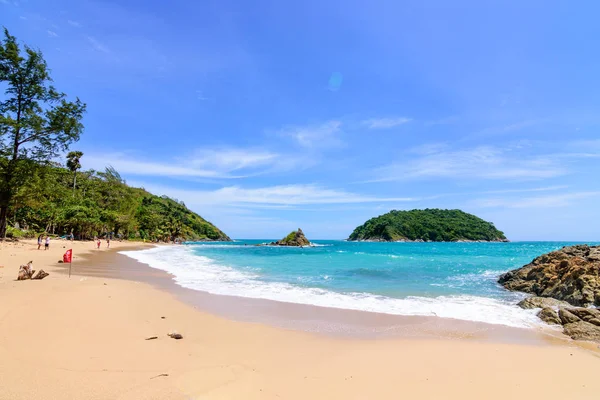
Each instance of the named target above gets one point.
<point>429,225</point>
<point>566,284</point>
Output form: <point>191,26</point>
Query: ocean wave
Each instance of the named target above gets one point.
<point>204,274</point>
<point>216,246</point>
<point>370,272</point>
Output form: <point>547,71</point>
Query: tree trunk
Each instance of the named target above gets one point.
<point>74,182</point>
<point>3,217</point>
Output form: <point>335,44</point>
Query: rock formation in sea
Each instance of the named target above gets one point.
<point>571,274</point>
<point>566,285</point>
<point>295,238</point>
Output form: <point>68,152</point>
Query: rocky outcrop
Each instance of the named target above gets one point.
<point>578,322</point>
<point>295,238</point>
<point>542,302</point>
<point>582,331</point>
<point>571,274</point>
<point>548,315</point>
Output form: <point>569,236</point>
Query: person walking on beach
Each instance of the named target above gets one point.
<point>40,241</point>
<point>47,244</point>
<point>108,242</point>
<point>98,243</point>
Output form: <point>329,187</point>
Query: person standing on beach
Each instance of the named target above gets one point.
<point>108,242</point>
<point>47,244</point>
<point>40,241</point>
<point>98,243</point>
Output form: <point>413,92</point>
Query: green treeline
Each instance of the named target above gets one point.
<point>101,203</point>
<point>38,123</point>
<point>428,225</point>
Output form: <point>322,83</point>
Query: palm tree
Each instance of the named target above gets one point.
<point>73,164</point>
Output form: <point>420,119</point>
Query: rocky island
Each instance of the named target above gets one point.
<point>429,225</point>
<point>295,239</point>
<point>566,285</point>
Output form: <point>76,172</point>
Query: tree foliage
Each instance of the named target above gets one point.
<point>428,225</point>
<point>74,164</point>
<point>36,120</point>
<point>103,204</point>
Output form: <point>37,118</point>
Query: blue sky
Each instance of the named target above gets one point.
<point>266,116</point>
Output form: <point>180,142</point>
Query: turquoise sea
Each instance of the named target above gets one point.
<point>454,280</point>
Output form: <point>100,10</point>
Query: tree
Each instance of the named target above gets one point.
<point>36,121</point>
<point>73,165</point>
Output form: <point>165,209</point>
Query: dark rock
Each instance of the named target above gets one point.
<point>549,316</point>
<point>295,238</point>
<point>566,317</point>
<point>582,331</point>
<point>541,302</point>
<point>590,315</point>
<point>571,274</point>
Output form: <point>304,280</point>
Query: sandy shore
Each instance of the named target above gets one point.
<point>84,338</point>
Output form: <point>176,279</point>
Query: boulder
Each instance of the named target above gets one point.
<point>295,238</point>
<point>567,317</point>
<point>590,315</point>
<point>582,330</point>
<point>541,302</point>
<point>549,316</point>
<point>571,274</point>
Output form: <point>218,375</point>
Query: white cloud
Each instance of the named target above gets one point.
<point>583,149</point>
<point>231,159</point>
<point>226,163</point>
<point>509,128</point>
<point>385,123</point>
<point>268,197</point>
<point>98,45</point>
<point>315,136</point>
<point>52,33</point>
<point>483,162</point>
<point>74,23</point>
<point>555,200</point>
<point>539,189</point>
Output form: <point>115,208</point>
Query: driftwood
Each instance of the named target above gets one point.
<point>25,272</point>
<point>41,274</point>
<point>175,335</point>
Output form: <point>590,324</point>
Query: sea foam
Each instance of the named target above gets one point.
<point>202,273</point>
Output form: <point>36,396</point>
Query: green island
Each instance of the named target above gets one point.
<point>429,225</point>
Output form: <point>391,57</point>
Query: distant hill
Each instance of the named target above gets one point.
<point>433,225</point>
<point>101,203</point>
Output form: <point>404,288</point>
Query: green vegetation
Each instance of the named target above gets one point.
<point>37,195</point>
<point>101,203</point>
<point>427,225</point>
<point>36,120</point>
